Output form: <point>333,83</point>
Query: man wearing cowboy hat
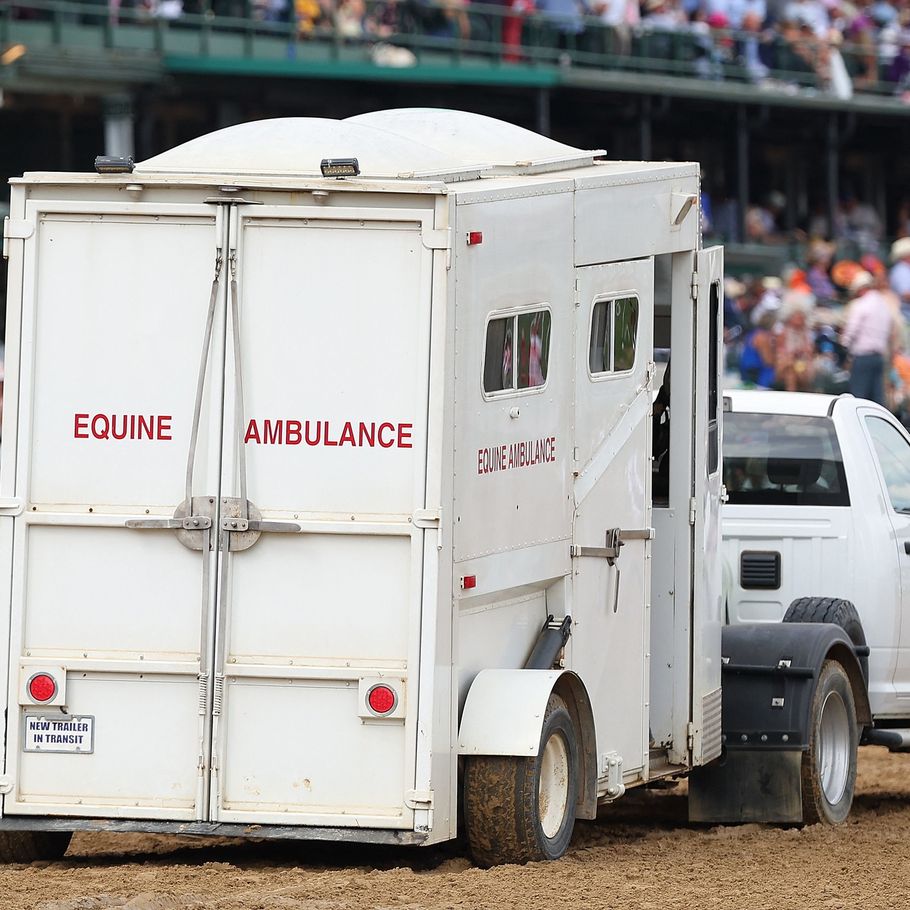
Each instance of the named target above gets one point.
<point>868,336</point>
<point>900,271</point>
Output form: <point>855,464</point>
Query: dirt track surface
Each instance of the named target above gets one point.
<point>641,854</point>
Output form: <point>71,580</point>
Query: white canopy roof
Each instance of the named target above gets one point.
<point>413,142</point>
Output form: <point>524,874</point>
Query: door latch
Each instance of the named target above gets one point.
<point>192,522</point>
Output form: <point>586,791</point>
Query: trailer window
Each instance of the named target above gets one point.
<point>783,459</point>
<point>517,352</point>
<point>614,334</point>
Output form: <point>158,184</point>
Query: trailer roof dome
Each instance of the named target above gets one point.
<point>412,142</point>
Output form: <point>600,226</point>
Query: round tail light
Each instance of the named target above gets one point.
<point>382,699</point>
<point>42,687</point>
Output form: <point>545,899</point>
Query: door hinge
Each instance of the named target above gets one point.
<point>577,295</point>
<point>695,285</point>
<point>11,506</point>
<point>426,518</point>
<point>690,736</point>
<point>439,239</point>
<point>6,784</point>
<point>15,229</point>
<point>419,799</point>
<point>693,505</point>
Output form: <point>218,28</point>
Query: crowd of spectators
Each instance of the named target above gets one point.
<point>825,325</point>
<point>834,46</point>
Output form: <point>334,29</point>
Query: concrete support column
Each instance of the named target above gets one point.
<point>742,167</point>
<point>543,111</point>
<point>118,126</point>
<point>833,171</point>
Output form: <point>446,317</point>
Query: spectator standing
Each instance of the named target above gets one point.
<point>899,276</point>
<point>868,336</point>
<point>795,352</point>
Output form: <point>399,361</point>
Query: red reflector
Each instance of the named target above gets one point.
<point>475,237</point>
<point>42,687</point>
<point>381,699</point>
<point>468,582</point>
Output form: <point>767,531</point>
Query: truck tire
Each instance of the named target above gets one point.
<point>28,846</point>
<point>829,764</point>
<point>518,810</point>
<point>834,610</point>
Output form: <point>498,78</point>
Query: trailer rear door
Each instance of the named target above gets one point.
<point>114,310</point>
<point>333,313</point>
<point>214,650</point>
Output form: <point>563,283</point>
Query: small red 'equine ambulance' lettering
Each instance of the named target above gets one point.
<point>314,433</point>
<point>523,454</point>
<point>123,426</point>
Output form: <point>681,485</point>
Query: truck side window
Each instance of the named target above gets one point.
<point>517,352</point>
<point>614,333</point>
<point>894,458</point>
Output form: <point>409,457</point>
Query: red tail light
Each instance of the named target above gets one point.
<point>41,687</point>
<point>382,699</point>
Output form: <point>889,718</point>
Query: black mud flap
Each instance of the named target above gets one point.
<point>769,673</point>
<point>748,787</point>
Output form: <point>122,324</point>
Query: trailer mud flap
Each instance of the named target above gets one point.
<point>751,786</point>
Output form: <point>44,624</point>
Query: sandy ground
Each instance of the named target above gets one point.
<point>640,854</point>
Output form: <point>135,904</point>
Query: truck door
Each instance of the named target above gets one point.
<point>110,623</point>
<point>323,483</point>
<point>613,491</point>
<point>889,622</point>
<point>707,603</point>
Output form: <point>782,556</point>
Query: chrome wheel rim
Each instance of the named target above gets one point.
<point>553,786</point>
<point>834,748</point>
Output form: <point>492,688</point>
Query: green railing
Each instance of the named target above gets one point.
<point>481,35</point>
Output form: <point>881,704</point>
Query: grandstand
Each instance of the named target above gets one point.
<point>768,101</point>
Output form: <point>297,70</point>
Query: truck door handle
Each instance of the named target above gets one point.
<point>907,547</point>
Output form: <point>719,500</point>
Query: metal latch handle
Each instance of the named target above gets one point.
<point>238,525</point>
<point>616,539</point>
<point>190,523</point>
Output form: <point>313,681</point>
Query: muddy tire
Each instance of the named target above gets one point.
<point>518,810</point>
<point>28,846</point>
<point>835,610</point>
<point>829,765</point>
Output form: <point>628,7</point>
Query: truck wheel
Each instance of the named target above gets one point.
<point>834,610</point>
<point>28,846</point>
<point>829,765</point>
<point>522,809</point>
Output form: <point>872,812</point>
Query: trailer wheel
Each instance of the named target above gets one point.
<point>28,846</point>
<point>518,810</point>
<point>829,765</point>
<point>834,610</point>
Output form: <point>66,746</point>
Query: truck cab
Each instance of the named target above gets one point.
<point>818,506</point>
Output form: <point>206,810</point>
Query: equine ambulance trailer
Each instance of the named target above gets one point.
<point>327,489</point>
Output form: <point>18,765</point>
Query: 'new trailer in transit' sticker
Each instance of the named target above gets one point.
<point>59,733</point>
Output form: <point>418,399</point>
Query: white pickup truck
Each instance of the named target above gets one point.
<point>816,528</point>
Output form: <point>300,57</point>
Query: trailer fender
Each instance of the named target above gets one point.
<point>770,673</point>
<point>504,712</point>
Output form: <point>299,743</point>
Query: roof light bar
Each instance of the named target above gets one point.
<point>107,164</point>
<point>340,167</point>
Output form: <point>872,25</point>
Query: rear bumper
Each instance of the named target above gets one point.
<point>215,829</point>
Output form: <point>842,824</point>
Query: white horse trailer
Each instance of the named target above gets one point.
<point>327,488</point>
